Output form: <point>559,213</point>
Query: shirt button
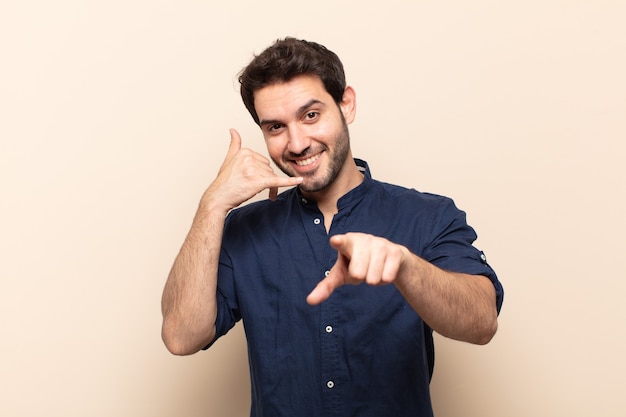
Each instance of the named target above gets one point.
<point>317,221</point>
<point>327,273</point>
<point>304,200</point>
<point>330,384</point>
<point>329,329</point>
<point>483,257</point>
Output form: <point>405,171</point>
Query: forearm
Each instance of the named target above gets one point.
<point>189,297</point>
<point>455,305</point>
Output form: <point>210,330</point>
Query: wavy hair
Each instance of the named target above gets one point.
<point>286,59</point>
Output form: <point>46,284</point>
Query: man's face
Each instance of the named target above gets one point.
<point>305,131</point>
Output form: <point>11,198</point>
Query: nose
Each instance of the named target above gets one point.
<point>298,141</point>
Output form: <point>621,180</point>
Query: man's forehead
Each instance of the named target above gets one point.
<point>289,97</point>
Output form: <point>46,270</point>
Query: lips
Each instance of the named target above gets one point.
<point>308,161</point>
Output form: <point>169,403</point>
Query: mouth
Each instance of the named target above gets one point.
<point>306,164</point>
<point>308,161</point>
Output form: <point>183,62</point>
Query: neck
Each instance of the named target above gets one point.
<point>349,178</point>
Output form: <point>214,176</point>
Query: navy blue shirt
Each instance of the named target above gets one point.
<point>364,351</point>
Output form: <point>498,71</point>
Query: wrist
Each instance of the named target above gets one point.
<point>210,204</point>
<point>410,273</point>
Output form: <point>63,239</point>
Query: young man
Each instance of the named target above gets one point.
<point>319,347</point>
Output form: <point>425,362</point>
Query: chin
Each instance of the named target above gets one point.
<point>313,187</point>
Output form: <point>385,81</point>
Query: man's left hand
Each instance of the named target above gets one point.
<point>360,258</point>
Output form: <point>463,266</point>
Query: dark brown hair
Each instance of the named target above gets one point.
<point>286,59</point>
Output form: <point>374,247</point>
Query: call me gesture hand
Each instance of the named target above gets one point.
<point>243,174</point>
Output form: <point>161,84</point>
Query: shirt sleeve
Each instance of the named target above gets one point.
<point>451,247</point>
<point>227,306</point>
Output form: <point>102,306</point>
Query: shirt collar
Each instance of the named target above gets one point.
<point>353,196</point>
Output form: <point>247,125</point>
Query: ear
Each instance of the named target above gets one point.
<point>348,104</point>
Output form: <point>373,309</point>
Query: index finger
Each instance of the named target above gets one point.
<point>323,290</point>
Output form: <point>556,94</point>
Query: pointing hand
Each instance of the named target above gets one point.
<point>361,258</point>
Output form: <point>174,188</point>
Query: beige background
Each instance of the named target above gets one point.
<point>114,117</point>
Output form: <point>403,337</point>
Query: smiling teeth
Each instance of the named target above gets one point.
<point>307,161</point>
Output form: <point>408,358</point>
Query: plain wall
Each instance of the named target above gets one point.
<point>114,118</point>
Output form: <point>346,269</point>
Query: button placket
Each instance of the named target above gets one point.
<point>330,349</point>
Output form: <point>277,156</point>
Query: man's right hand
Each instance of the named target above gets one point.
<point>243,174</point>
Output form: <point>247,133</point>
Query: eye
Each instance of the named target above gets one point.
<point>273,128</point>
<point>312,115</point>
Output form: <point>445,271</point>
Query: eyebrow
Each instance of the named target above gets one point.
<point>302,109</point>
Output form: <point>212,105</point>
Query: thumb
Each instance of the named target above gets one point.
<point>235,143</point>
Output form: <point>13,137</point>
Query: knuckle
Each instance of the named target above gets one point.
<point>372,280</point>
<point>358,276</point>
<point>387,279</point>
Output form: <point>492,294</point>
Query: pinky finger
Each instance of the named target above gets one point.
<point>390,269</point>
<point>273,193</point>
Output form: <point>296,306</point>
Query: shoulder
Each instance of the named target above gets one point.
<point>402,196</point>
<point>425,212</point>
